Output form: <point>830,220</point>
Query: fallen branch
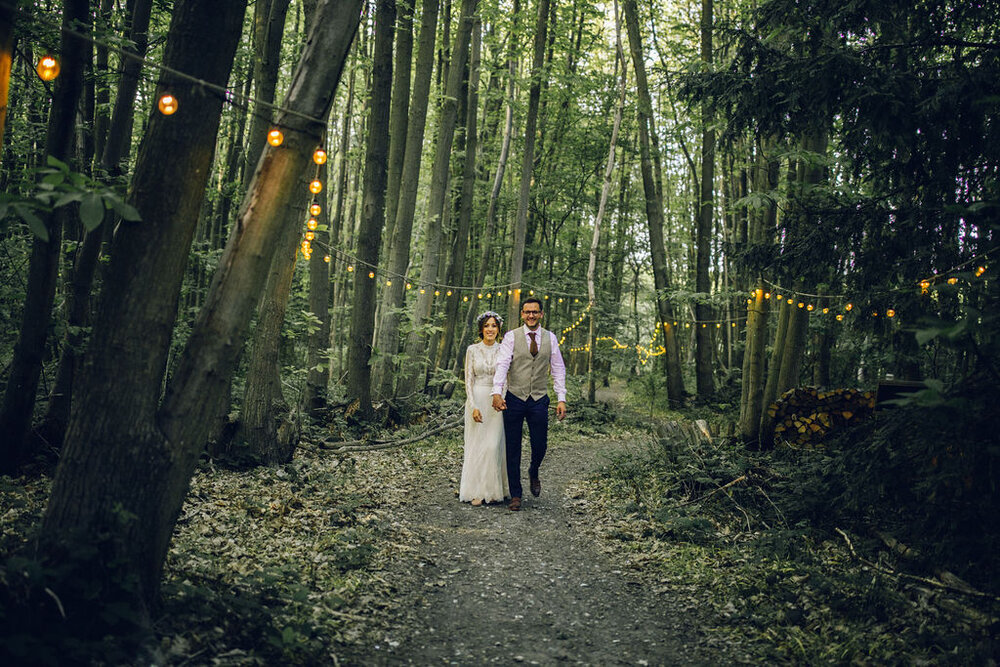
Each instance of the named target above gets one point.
<point>374,445</point>
<point>725,486</point>
<point>966,590</point>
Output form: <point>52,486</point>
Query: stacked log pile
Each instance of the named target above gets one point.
<point>805,415</point>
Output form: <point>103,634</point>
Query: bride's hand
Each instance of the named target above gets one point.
<point>477,416</point>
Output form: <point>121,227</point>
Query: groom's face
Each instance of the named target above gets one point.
<point>531,313</point>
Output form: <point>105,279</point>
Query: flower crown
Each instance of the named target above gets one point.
<point>489,313</point>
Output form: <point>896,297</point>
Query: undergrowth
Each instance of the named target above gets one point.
<point>880,547</point>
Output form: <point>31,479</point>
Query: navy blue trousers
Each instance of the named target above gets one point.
<point>536,414</point>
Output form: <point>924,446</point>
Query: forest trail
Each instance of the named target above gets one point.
<point>485,585</point>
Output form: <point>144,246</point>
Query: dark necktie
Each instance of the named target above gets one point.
<point>534,344</point>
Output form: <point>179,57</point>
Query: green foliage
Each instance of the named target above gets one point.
<point>58,186</point>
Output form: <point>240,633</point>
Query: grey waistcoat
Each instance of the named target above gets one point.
<point>528,376</point>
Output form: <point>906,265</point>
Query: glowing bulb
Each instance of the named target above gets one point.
<point>310,236</point>
<point>437,293</point>
<point>316,187</point>
<point>275,137</point>
<point>489,295</point>
<point>980,270</point>
<point>767,295</point>
<point>890,313</point>
<point>531,292</point>
<point>319,156</point>
<point>167,104</point>
<point>952,281</point>
<point>840,318</point>
<point>826,310</point>
<point>409,286</point>
<point>315,209</point>
<point>465,298</point>
<point>422,290</point>
<point>312,224</point>
<point>480,295</point>
<point>349,268</point>
<point>809,307</point>
<point>849,306</point>
<point>718,326</point>
<point>449,293</point>
<point>388,283</point>
<point>371,274</point>
<point>924,284</point>
<point>790,301</point>
<point>326,258</point>
<point>47,68</point>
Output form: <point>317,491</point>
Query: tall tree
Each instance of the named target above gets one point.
<point>393,296</point>
<point>605,191</point>
<point>126,465</point>
<point>26,365</point>
<point>373,209</point>
<point>528,160</point>
<point>650,160</point>
<point>706,205</point>
<point>416,342</point>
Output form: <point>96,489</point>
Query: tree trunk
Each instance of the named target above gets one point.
<point>654,209</point>
<point>269,28</point>
<point>398,111</point>
<point>527,163</point>
<point>124,458</point>
<point>8,12</point>
<point>605,190</point>
<point>491,209</point>
<point>703,311</point>
<point>393,297</point>
<point>412,375</point>
<point>266,427</point>
<point>78,301</point>
<point>460,247</point>
<point>317,360</point>
<point>26,364</point>
<point>373,211</point>
<point>751,404</point>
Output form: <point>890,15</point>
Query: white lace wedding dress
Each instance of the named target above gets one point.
<point>484,470</point>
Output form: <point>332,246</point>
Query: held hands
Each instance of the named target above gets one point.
<point>498,403</point>
<point>477,416</point>
<point>561,410</point>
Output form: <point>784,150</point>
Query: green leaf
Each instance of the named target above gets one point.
<point>34,223</point>
<point>126,211</point>
<point>67,198</point>
<point>91,211</point>
<point>57,163</point>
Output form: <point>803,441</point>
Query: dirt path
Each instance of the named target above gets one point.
<point>488,586</point>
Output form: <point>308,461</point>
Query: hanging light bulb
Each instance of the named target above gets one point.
<point>315,209</point>
<point>849,306</point>
<point>388,283</point>
<point>275,137</point>
<point>312,224</point>
<point>167,104</point>
<point>840,317</point>
<point>47,68</point>
<point>350,268</point>
<point>890,313</point>
<point>449,293</point>
<point>326,258</point>
<point>310,236</point>
<point>316,187</point>
<point>319,156</point>
<point>371,274</point>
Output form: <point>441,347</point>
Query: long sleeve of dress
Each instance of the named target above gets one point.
<point>470,381</point>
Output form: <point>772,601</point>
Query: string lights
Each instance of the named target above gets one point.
<point>47,68</point>
<point>167,104</point>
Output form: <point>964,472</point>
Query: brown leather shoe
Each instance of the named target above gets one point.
<point>536,486</point>
<point>515,504</point>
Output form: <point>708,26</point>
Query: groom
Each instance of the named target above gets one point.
<point>526,357</point>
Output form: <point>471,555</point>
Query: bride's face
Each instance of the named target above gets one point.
<point>490,330</point>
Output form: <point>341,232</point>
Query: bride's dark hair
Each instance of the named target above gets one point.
<point>486,317</point>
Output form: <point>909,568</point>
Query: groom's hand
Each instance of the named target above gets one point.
<point>561,410</point>
<point>498,403</point>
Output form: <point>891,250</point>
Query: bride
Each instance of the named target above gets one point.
<point>484,470</point>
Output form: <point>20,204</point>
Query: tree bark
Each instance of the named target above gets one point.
<point>460,246</point>
<point>269,28</point>
<point>373,211</point>
<point>398,111</point>
<point>141,459</point>
<point>527,161</point>
<point>52,430</point>
<point>412,375</point>
<point>26,364</point>
<point>654,208</point>
<point>703,311</point>
<point>317,358</point>
<point>605,190</point>
<point>393,297</point>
